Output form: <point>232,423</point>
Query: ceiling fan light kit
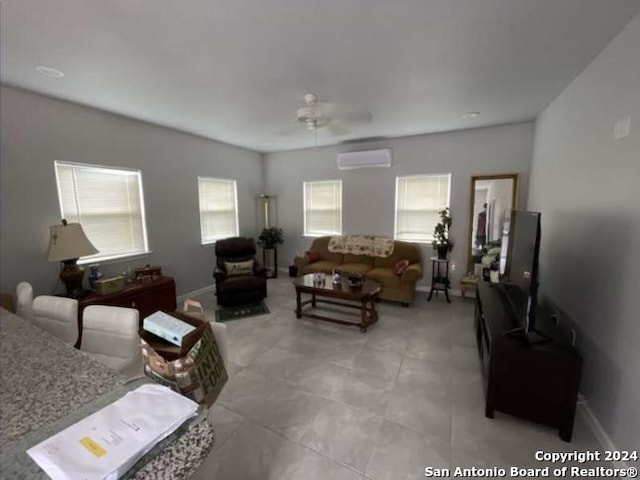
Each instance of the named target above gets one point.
<point>49,71</point>
<point>316,115</point>
<point>334,119</point>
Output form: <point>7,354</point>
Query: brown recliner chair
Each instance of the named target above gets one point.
<point>238,289</point>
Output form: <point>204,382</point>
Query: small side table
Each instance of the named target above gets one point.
<point>439,277</point>
<point>468,282</point>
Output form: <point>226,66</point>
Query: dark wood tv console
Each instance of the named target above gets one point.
<point>537,382</point>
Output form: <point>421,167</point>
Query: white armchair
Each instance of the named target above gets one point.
<point>58,316</point>
<point>110,335</point>
<point>220,334</point>
<point>24,296</point>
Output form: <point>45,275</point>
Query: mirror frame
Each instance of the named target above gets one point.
<point>514,204</point>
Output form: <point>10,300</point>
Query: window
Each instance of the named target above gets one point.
<point>218,209</point>
<point>108,202</point>
<point>322,208</point>
<point>419,198</point>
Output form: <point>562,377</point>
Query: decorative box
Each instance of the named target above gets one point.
<point>110,285</point>
<point>148,274</point>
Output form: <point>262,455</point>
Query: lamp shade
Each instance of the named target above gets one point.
<point>68,242</point>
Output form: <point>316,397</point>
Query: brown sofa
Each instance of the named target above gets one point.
<point>399,288</point>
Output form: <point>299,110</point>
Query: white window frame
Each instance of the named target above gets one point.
<point>235,206</point>
<point>395,210</point>
<point>304,208</point>
<point>108,168</point>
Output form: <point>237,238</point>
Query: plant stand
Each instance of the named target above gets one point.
<point>272,269</point>
<point>439,278</point>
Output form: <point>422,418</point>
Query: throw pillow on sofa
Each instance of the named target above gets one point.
<point>312,256</point>
<point>239,268</point>
<point>400,266</point>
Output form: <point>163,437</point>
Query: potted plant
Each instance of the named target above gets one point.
<point>441,241</point>
<point>270,237</point>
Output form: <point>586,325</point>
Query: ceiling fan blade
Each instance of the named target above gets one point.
<point>337,130</point>
<point>290,131</point>
<point>354,117</point>
<point>346,113</point>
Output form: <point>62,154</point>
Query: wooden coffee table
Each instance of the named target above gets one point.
<point>363,298</point>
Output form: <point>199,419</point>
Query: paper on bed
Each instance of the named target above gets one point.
<point>107,443</point>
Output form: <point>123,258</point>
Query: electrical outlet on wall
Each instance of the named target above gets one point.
<point>622,128</point>
<point>453,266</point>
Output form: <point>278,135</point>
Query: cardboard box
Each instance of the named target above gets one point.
<point>168,327</point>
<point>196,369</point>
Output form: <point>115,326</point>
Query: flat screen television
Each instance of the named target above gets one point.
<point>519,271</point>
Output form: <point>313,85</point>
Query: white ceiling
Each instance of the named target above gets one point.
<point>236,70</point>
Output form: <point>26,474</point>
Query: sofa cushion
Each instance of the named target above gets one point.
<point>401,250</point>
<point>322,266</point>
<point>355,267</point>
<point>321,244</point>
<point>364,259</point>
<point>384,276</point>
<point>240,283</point>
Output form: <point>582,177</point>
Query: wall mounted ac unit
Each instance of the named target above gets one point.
<point>365,159</point>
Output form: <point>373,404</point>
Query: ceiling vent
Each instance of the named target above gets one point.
<point>365,159</point>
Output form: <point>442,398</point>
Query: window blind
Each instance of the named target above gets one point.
<point>323,208</point>
<point>218,209</point>
<point>108,203</point>
<point>419,198</point>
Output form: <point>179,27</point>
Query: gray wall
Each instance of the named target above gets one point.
<point>368,195</point>
<point>586,186</point>
<point>36,130</point>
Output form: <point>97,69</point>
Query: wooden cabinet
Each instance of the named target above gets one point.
<point>144,297</point>
<point>534,381</point>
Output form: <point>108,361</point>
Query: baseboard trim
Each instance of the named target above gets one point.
<point>195,293</point>
<point>599,432</point>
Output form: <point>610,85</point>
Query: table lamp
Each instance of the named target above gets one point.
<point>68,242</point>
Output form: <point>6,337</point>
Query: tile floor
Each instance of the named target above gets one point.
<point>313,400</point>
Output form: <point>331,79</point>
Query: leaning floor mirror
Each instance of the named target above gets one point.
<point>492,196</point>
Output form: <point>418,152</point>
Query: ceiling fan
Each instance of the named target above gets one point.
<point>330,116</point>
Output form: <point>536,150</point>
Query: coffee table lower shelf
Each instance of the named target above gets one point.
<point>367,307</point>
